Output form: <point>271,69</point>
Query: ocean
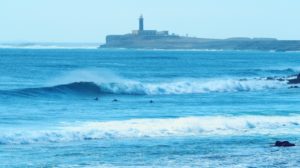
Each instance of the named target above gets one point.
<point>147,108</point>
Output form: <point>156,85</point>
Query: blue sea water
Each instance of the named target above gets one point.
<point>208,109</point>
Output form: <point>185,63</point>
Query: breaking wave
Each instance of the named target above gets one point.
<point>283,70</point>
<point>189,87</point>
<point>139,88</point>
<point>151,128</point>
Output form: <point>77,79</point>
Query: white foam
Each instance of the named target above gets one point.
<point>151,128</point>
<point>187,86</point>
<point>190,86</point>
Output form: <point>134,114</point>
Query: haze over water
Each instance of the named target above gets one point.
<point>173,108</point>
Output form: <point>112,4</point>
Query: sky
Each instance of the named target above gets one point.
<point>92,20</point>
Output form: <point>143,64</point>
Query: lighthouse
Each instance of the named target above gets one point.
<point>147,33</point>
<point>141,23</point>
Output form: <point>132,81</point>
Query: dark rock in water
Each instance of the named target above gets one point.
<point>293,87</point>
<point>281,79</point>
<point>270,78</point>
<point>284,144</point>
<point>115,100</point>
<point>295,81</point>
<point>151,101</point>
<point>96,99</point>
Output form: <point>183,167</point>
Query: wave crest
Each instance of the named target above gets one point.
<point>76,88</point>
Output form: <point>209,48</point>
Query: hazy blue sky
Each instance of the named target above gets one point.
<point>91,20</point>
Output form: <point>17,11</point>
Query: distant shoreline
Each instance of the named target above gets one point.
<point>132,49</point>
<point>48,45</point>
<point>95,46</point>
<point>187,43</point>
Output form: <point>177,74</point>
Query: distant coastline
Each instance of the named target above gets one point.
<point>94,46</point>
<point>153,39</point>
<point>47,45</point>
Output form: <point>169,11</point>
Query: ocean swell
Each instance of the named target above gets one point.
<point>151,128</point>
<point>76,88</point>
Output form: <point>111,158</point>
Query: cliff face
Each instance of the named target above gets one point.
<point>178,42</point>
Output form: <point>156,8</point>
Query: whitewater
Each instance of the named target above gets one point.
<point>149,128</point>
<point>85,107</point>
